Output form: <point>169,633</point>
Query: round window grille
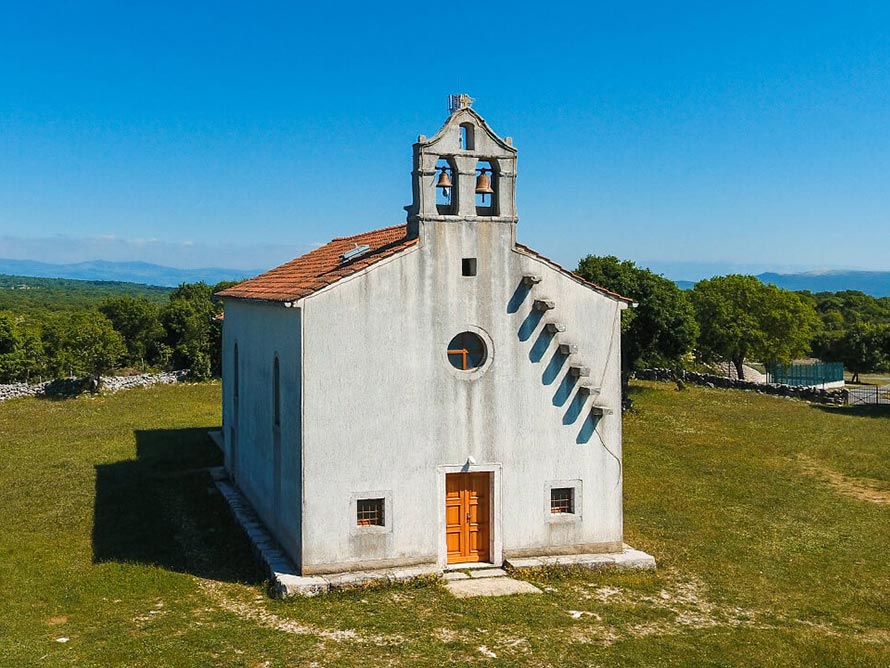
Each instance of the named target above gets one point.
<point>467,351</point>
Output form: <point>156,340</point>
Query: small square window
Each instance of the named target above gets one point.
<point>562,500</point>
<point>369,512</point>
<point>468,266</point>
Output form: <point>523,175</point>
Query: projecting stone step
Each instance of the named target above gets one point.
<point>488,573</point>
<point>579,371</point>
<point>530,279</point>
<point>544,304</point>
<point>600,410</point>
<point>555,327</point>
<point>567,349</point>
<point>588,390</point>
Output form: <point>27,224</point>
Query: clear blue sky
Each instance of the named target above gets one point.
<point>240,134</point>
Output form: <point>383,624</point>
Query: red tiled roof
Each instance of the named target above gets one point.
<point>319,268</point>
<point>528,251</point>
<point>322,267</point>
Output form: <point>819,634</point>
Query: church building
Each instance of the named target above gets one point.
<point>429,394</point>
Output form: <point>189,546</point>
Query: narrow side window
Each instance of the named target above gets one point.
<point>236,372</point>
<point>276,392</point>
<point>467,137</point>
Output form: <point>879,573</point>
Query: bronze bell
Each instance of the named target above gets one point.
<point>483,184</point>
<point>444,181</point>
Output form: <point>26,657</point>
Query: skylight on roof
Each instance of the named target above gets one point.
<point>353,253</point>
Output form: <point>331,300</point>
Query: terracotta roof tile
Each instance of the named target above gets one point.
<point>321,267</point>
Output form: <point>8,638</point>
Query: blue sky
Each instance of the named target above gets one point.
<point>689,137</point>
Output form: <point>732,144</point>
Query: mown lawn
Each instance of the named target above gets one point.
<point>770,520</point>
<point>867,379</point>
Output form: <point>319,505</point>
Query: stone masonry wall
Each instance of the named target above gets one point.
<point>837,396</point>
<point>71,387</point>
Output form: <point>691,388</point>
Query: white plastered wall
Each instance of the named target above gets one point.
<point>384,412</point>
<point>261,331</point>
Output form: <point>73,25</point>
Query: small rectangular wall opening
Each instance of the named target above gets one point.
<point>562,500</point>
<point>370,512</point>
<point>468,266</point>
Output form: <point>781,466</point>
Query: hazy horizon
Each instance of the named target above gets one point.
<point>62,250</point>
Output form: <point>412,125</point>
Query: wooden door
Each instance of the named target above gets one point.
<point>467,515</point>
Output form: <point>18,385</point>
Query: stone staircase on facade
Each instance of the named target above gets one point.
<point>564,347</point>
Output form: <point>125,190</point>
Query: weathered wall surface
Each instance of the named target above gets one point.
<point>385,413</point>
<point>266,469</point>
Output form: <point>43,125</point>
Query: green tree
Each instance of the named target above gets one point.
<point>57,361</point>
<point>851,306</point>
<point>740,317</point>
<point>187,328</point>
<point>661,329</point>
<point>852,329</point>
<point>11,361</point>
<point>32,355</point>
<point>191,321</point>
<point>864,348</point>
<point>138,321</point>
<point>94,347</point>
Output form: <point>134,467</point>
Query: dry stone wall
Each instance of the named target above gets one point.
<point>836,396</point>
<point>71,387</point>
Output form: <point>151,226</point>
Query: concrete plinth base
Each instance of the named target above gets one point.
<point>285,579</point>
<point>627,559</point>
<point>217,437</point>
<point>285,584</point>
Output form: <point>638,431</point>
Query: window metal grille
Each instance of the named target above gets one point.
<point>369,512</point>
<point>562,500</point>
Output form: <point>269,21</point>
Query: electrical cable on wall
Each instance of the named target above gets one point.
<point>602,380</point>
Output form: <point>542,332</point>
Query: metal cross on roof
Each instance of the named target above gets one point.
<point>461,101</point>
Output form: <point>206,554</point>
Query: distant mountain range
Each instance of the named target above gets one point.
<point>131,272</point>
<point>875,283</point>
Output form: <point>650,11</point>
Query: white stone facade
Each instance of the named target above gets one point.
<point>371,407</point>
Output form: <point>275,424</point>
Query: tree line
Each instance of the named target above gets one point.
<point>27,295</point>
<point>738,318</point>
<point>137,332</point>
<point>728,319</point>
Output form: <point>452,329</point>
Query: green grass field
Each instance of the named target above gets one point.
<point>866,379</point>
<point>770,519</point>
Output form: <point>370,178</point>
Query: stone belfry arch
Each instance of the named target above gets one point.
<point>467,145</point>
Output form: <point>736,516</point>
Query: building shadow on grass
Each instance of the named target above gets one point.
<point>864,410</point>
<point>163,509</point>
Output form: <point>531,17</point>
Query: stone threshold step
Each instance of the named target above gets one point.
<point>627,559</point>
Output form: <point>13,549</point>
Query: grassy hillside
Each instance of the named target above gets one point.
<point>768,517</point>
<point>23,294</point>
